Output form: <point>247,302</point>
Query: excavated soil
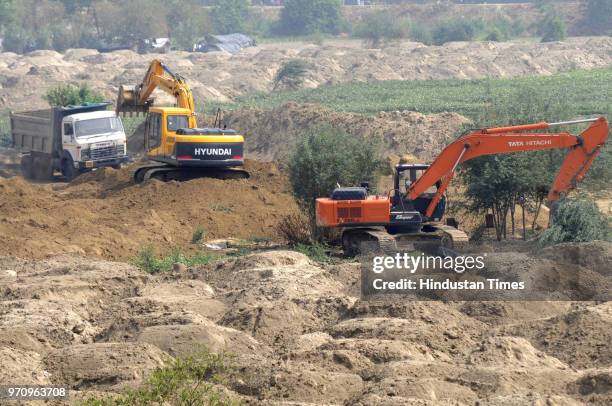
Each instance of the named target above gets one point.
<point>270,134</point>
<point>223,77</point>
<point>300,334</point>
<point>104,215</point>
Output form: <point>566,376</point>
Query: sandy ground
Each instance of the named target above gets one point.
<point>300,333</point>
<point>222,77</point>
<point>104,214</point>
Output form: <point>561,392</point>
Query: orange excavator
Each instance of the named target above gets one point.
<point>412,217</point>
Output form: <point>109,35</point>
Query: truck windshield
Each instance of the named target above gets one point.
<point>86,128</point>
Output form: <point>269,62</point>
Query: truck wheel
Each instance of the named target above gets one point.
<point>42,169</point>
<point>26,166</point>
<point>68,170</point>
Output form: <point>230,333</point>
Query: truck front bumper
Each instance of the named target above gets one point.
<point>85,165</point>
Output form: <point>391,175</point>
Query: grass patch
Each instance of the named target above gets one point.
<point>586,90</point>
<point>198,235</point>
<point>318,252</point>
<point>186,381</point>
<point>149,262</point>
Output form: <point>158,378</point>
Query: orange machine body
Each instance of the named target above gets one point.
<point>374,210</point>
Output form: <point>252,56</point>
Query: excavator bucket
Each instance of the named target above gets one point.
<point>127,101</point>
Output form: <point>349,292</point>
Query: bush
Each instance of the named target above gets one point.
<point>303,17</point>
<point>292,73</point>
<point>329,156</point>
<point>553,28</point>
<point>599,16</point>
<point>382,26</point>
<point>186,381</point>
<point>295,229</point>
<point>456,29</point>
<point>198,235</point>
<point>229,15</point>
<point>576,220</point>
<point>65,95</point>
<point>316,251</point>
<point>148,261</point>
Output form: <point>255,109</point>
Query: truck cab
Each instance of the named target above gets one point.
<point>93,139</point>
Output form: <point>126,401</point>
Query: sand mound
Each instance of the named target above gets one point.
<point>298,334</point>
<point>103,214</point>
<point>221,77</point>
<point>270,134</point>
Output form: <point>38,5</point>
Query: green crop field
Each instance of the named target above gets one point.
<point>585,92</point>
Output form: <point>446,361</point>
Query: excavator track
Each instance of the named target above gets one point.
<point>167,173</point>
<point>444,241</point>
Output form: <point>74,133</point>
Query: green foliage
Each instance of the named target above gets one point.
<point>552,28</point>
<point>198,235</point>
<point>292,73</point>
<point>303,17</point>
<point>148,261</point>
<point>318,252</point>
<point>379,26</point>
<point>185,381</point>
<point>7,14</point>
<point>17,40</point>
<point>295,229</point>
<point>327,156</point>
<point>229,15</point>
<point>576,220</point>
<point>456,29</point>
<point>65,95</point>
<point>599,16</point>
<point>5,130</point>
<point>586,92</point>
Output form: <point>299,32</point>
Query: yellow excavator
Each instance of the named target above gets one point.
<point>172,140</point>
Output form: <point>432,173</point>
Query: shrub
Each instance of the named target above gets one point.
<point>303,17</point>
<point>552,28</point>
<point>599,16</point>
<point>316,251</point>
<point>292,73</point>
<point>148,261</point>
<point>456,29</point>
<point>382,26</point>
<point>185,381</point>
<point>576,220</point>
<point>328,156</point>
<point>295,229</point>
<point>65,95</point>
<point>198,235</point>
<point>229,15</point>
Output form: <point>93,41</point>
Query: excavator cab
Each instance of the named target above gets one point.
<point>409,215</point>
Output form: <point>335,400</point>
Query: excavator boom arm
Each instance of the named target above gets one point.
<point>158,76</point>
<point>583,150</point>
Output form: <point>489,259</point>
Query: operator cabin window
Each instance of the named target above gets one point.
<point>68,129</point>
<point>176,122</point>
<point>154,130</point>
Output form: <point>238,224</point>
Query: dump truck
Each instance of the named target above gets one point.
<point>70,140</point>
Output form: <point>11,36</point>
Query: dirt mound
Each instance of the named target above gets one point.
<point>24,79</point>
<point>270,134</point>
<point>103,214</point>
<point>580,338</point>
<point>298,333</point>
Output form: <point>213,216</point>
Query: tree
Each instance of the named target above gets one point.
<point>292,73</point>
<point>576,220</point>
<point>229,15</point>
<point>456,29</point>
<point>65,95</point>
<point>553,28</point>
<point>599,16</point>
<point>380,26</point>
<point>327,156</point>
<point>303,17</point>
